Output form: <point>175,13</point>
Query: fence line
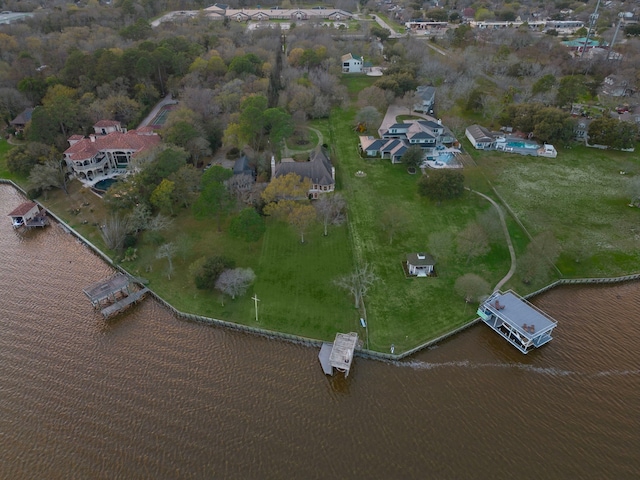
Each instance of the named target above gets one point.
<point>304,340</point>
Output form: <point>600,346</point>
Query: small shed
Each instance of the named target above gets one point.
<point>420,264</point>
<point>24,213</point>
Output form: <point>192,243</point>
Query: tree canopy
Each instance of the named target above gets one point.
<point>441,184</point>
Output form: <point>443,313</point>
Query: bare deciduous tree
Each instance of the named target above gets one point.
<point>330,210</point>
<point>114,231</point>
<point>394,220</point>
<point>471,287</point>
<point>168,251</point>
<point>472,241</point>
<point>358,282</point>
<point>235,281</point>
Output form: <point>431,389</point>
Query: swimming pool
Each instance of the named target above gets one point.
<point>103,185</point>
<point>446,157</point>
<point>522,144</point>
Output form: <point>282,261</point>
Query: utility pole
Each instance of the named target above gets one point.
<point>620,18</point>
<point>593,18</point>
<point>255,301</point>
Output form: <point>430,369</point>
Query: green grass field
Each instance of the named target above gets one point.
<point>581,196</point>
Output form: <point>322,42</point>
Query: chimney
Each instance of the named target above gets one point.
<point>92,137</point>
<point>273,167</point>
<point>333,173</point>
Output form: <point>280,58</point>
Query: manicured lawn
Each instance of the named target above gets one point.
<point>401,311</point>
<point>294,280</point>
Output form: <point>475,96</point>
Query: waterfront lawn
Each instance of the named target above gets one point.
<point>582,197</point>
<point>4,172</point>
<point>406,311</point>
<point>294,280</point>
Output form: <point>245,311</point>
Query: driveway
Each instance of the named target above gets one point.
<point>395,111</point>
<point>167,100</point>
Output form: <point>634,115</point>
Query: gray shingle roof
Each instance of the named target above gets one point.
<point>318,169</point>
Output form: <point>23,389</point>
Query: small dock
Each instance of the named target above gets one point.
<point>123,304</point>
<point>28,216</point>
<point>114,295</point>
<point>339,354</point>
<point>522,324</point>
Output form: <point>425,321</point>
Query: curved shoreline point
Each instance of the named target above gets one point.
<point>275,335</point>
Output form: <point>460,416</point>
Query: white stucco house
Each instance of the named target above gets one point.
<point>108,152</point>
<point>352,63</point>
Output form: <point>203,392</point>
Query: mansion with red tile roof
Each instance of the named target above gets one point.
<point>108,152</point>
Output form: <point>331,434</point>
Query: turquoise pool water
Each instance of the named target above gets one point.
<point>522,144</point>
<point>104,185</point>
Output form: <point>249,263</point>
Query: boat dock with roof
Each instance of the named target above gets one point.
<point>28,215</point>
<point>113,295</point>
<point>339,354</point>
<point>522,324</point>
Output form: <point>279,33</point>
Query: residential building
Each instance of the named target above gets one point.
<point>616,86</point>
<point>352,63</point>
<point>318,169</point>
<point>21,120</point>
<point>480,137</point>
<point>427,99</point>
<point>102,156</point>
<point>397,138</point>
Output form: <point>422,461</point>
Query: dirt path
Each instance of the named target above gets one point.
<point>512,251</point>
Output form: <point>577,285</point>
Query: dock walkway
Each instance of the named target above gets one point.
<point>126,302</point>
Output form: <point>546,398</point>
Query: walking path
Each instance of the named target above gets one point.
<point>289,152</point>
<point>512,251</point>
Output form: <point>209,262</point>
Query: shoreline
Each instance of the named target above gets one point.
<point>297,339</point>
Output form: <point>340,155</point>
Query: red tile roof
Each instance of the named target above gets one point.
<point>107,123</point>
<point>22,209</point>
<point>132,140</point>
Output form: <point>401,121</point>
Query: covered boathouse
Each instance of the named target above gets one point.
<point>28,215</point>
<point>521,323</point>
<point>338,354</point>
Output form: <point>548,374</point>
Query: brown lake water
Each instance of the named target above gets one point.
<point>150,396</point>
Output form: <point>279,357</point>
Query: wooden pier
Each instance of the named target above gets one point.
<point>339,354</point>
<point>123,304</point>
<point>114,295</point>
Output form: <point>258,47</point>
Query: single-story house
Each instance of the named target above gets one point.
<point>427,96</point>
<point>318,169</point>
<point>351,63</point>
<point>22,119</point>
<point>106,156</point>
<point>581,128</point>
<point>420,264</point>
<point>480,137</point>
